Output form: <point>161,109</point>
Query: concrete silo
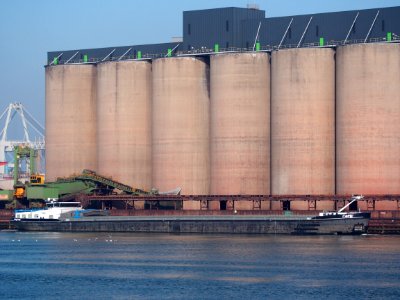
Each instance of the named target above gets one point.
<point>368,119</point>
<point>181,125</point>
<point>240,124</point>
<point>124,121</point>
<point>302,122</point>
<point>70,120</point>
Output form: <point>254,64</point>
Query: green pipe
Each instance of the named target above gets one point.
<point>32,161</point>
<point>16,165</point>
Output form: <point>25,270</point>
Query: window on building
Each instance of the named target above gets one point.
<point>227,45</point>
<point>222,205</point>
<point>285,205</point>
<point>189,29</point>
<point>227,25</point>
<point>290,33</point>
<point>317,30</point>
<point>189,47</point>
<point>247,45</point>
<point>354,28</point>
<point>383,25</point>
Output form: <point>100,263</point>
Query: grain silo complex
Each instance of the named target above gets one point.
<point>243,113</point>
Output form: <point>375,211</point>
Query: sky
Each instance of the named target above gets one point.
<point>29,29</point>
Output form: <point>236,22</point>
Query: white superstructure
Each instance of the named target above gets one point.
<point>52,211</point>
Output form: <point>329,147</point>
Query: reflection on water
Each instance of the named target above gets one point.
<point>162,266</point>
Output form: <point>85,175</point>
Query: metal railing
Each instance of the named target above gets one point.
<point>210,51</point>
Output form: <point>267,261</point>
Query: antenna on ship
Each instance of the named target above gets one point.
<point>353,198</point>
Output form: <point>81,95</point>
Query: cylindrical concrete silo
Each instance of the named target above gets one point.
<point>181,125</point>
<point>302,122</point>
<point>124,122</point>
<point>240,124</point>
<point>368,119</point>
<point>70,120</point>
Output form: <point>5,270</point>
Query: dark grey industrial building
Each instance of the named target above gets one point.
<point>246,29</point>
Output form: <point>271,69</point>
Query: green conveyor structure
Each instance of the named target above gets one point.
<point>91,176</point>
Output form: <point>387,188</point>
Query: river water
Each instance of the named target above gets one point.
<point>163,266</point>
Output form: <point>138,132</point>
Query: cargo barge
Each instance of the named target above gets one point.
<point>202,224</point>
<point>71,217</point>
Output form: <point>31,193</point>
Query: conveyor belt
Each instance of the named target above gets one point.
<point>88,175</point>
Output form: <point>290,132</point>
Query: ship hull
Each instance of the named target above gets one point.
<point>200,224</point>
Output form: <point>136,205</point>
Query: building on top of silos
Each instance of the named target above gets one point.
<point>70,120</point>
<point>302,122</point>
<point>181,156</point>
<point>240,121</point>
<point>124,94</point>
<point>368,119</point>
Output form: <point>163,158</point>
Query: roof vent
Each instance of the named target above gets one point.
<point>253,6</point>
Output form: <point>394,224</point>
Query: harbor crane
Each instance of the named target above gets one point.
<point>29,125</point>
